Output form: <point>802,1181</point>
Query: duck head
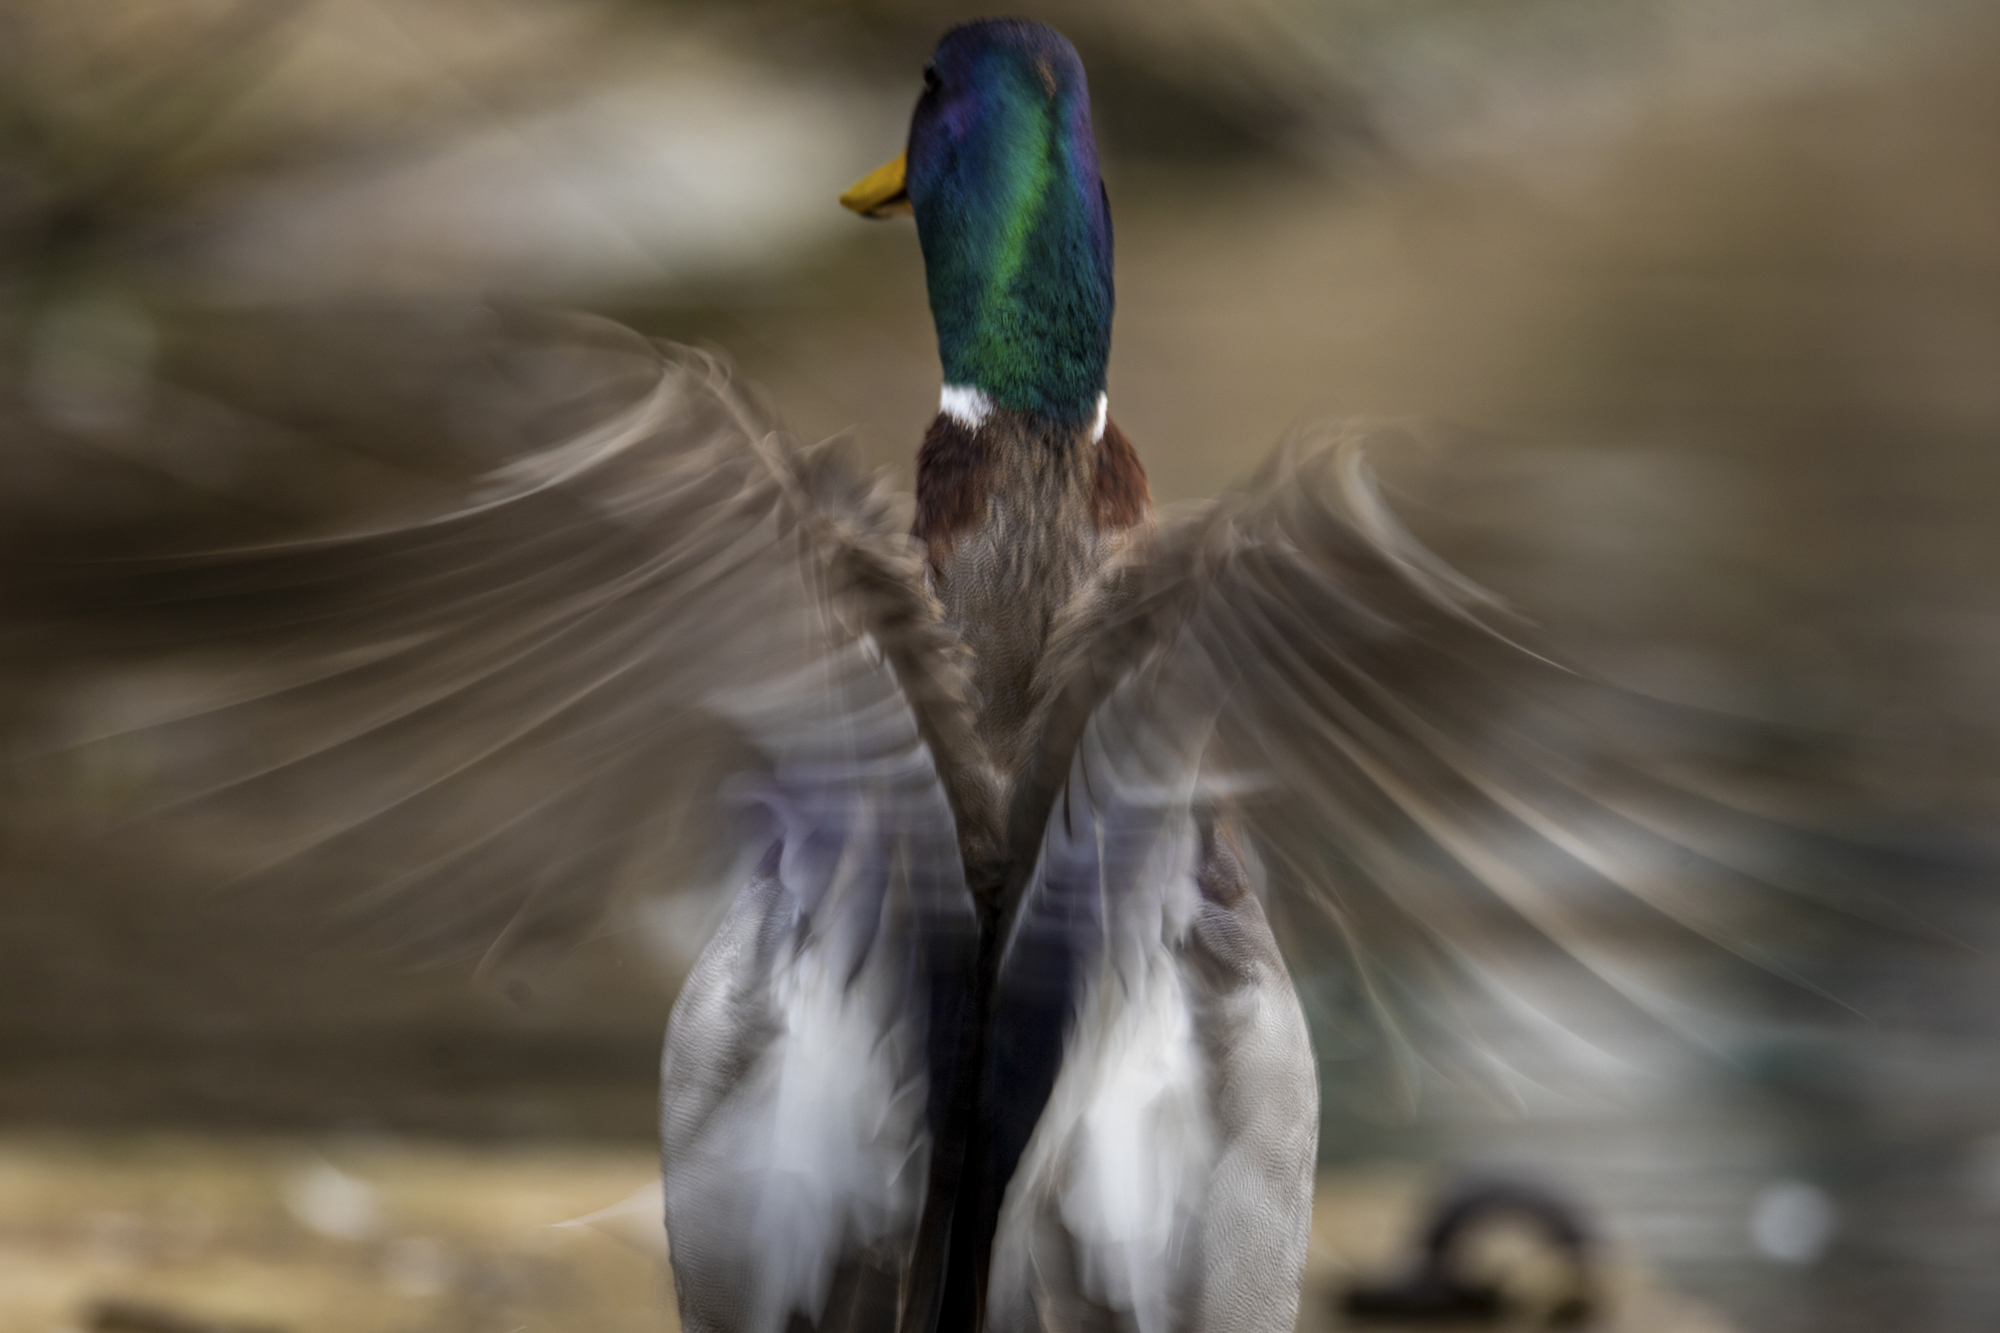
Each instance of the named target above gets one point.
<point>1001,174</point>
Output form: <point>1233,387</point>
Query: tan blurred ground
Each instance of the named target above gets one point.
<point>318,1237</point>
<point>345,1236</point>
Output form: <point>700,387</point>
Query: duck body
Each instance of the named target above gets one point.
<point>1105,1117</point>
<point>1148,1112</point>
<point>1140,1151</point>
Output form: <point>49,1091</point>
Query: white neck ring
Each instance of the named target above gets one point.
<point>965,405</point>
<point>970,407</point>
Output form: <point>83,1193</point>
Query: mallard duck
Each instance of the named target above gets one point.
<point>1006,798</point>
<point>1120,1129</point>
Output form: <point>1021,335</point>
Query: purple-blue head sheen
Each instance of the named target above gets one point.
<point>1015,227</point>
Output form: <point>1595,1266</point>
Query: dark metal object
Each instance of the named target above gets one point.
<point>1436,1290</point>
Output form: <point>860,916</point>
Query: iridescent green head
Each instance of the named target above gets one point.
<point>1001,172</point>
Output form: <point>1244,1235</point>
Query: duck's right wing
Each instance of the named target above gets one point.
<point>1514,859</point>
<point>1524,872</point>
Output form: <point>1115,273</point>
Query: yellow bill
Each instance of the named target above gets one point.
<point>879,194</point>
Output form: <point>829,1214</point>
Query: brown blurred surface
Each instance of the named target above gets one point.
<point>154,1232</point>
<point>326,1234</point>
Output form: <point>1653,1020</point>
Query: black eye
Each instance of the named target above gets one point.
<point>930,78</point>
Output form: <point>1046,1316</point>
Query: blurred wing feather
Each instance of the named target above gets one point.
<point>1493,847</point>
<point>620,657</point>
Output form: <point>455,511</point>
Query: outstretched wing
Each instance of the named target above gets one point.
<point>1515,859</point>
<point>667,649</point>
<point>1520,866</point>
<point>664,640</point>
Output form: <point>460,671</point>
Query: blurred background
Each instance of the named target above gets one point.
<point>1697,303</point>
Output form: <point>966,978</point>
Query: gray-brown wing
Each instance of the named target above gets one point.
<point>1515,860</point>
<point>666,649</point>
<point>662,641</point>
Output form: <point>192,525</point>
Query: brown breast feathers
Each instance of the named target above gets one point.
<point>1120,497</point>
<point>955,471</point>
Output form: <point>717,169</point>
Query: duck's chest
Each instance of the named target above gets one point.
<point>1008,512</point>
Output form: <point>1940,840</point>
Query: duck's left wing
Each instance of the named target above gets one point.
<point>663,640</point>
<point>665,650</point>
